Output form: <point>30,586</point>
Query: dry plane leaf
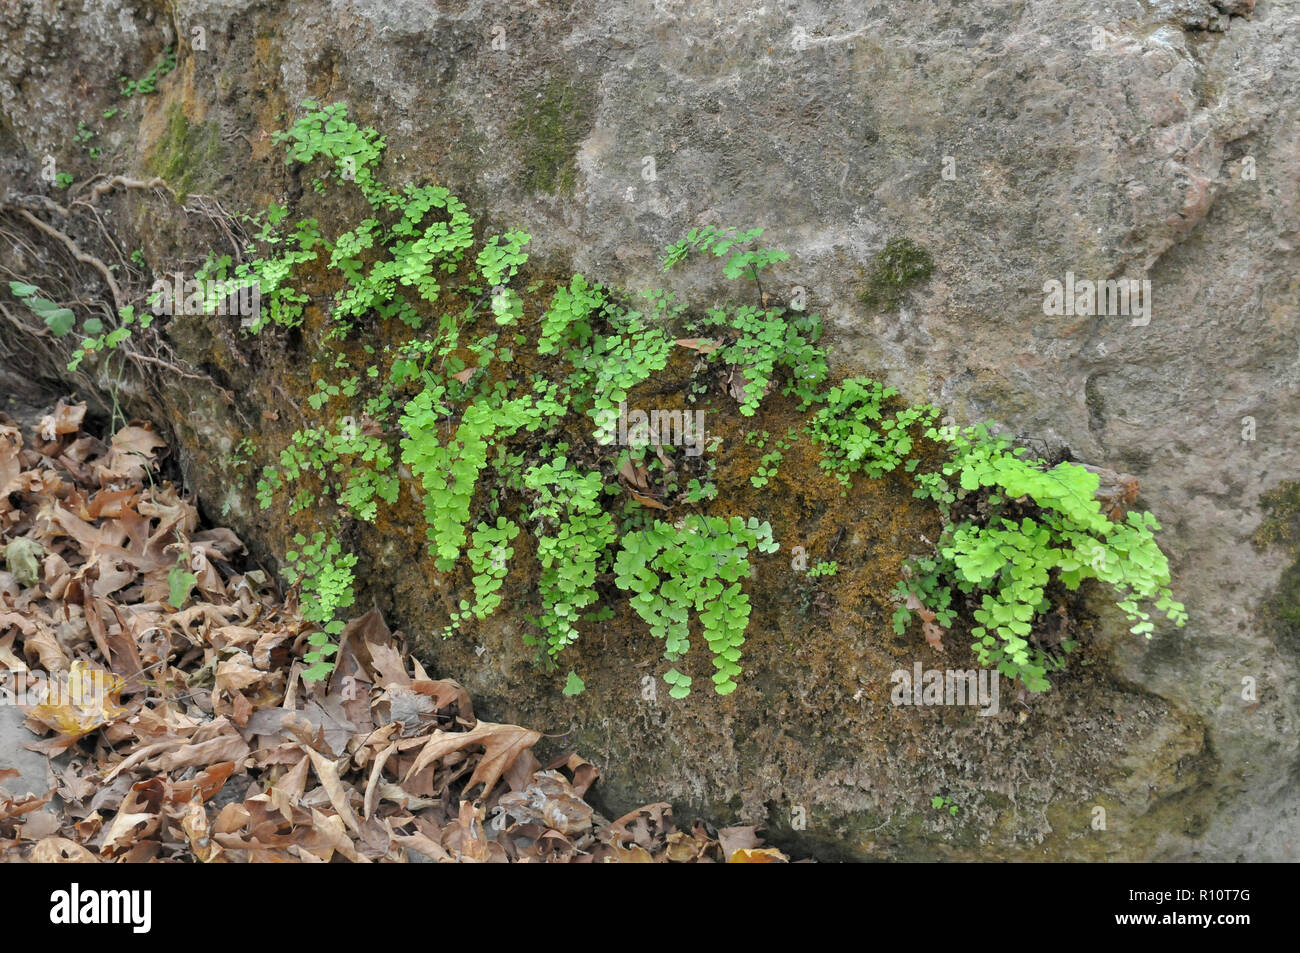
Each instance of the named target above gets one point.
<point>66,419</point>
<point>45,645</point>
<point>327,835</point>
<point>372,786</point>
<point>126,828</point>
<point>194,823</point>
<point>632,855</point>
<point>501,744</point>
<point>18,806</point>
<point>10,467</point>
<point>445,693</point>
<point>390,670</point>
<point>228,747</point>
<point>134,448</point>
<point>703,345</point>
<point>644,500</point>
<point>633,476</point>
<point>422,845</point>
<point>328,772</point>
<point>635,480</point>
<point>287,792</point>
<point>584,772</point>
<point>733,839</point>
<point>203,785</point>
<point>60,850</point>
<point>550,800</point>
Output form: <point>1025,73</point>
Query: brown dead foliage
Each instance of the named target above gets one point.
<point>185,732</point>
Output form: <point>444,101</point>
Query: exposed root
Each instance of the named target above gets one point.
<point>76,252</point>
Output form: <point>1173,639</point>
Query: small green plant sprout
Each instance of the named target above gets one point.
<point>100,339</point>
<point>767,469</point>
<point>824,568</point>
<point>697,492</point>
<point>574,533</point>
<point>149,82</point>
<point>180,582</point>
<point>241,453</point>
<point>489,554</point>
<point>898,266</point>
<point>747,262</point>
<point>574,685</point>
<point>940,803</point>
<point>323,575</point>
<point>59,320</point>
<point>83,135</point>
<point>63,180</point>
<point>857,437</point>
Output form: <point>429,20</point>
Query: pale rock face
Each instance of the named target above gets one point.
<point>1152,141</point>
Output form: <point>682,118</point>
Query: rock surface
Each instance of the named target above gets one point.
<point>32,767</point>
<point>1018,143</point>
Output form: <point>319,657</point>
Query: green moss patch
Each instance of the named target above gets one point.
<point>898,266</point>
<point>187,155</point>
<point>549,128</point>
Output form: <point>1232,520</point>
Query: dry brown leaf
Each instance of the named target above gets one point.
<point>194,823</point>
<point>126,828</point>
<point>766,855</point>
<point>933,635</point>
<point>328,772</point>
<point>501,744</point>
<point>733,839</point>
<point>134,449</point>
<point>204,785</point>
<point>60,850</point>
<point>372,786</point>
<point>66,419</point>
<point>632,855</point>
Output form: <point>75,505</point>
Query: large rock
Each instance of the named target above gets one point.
<point>1017,143</point>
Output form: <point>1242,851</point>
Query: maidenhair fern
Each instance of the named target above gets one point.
<point>573,533</point>
<point>449,406</point>
<point>694,568</point>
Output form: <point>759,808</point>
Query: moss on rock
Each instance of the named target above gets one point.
<point>898,266</point>
<point>549,128</point>
<point>188,155</point>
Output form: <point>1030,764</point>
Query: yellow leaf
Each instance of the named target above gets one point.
<point>764,855</point>
<point>84,700</point>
